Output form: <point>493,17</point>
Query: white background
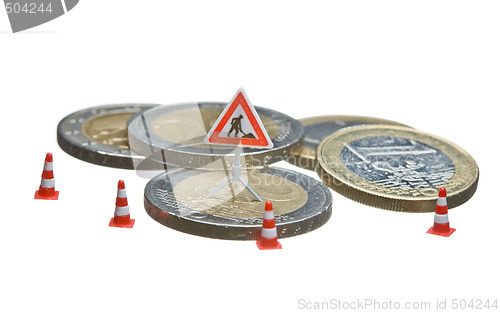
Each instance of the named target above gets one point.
<point>434,65</point>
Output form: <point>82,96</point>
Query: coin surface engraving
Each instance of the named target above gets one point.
<point>396,168</point>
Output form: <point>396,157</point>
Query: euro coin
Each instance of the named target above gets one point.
<point>396,168</point>
<point>176,132</point>
<point>99,134</point>
<point>178,199</point>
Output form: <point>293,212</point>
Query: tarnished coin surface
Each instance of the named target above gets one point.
<point>178,131</point>
<point>99,134</point>
<point>396,168</point>
<point>177,199</point>
<point>318,127</point>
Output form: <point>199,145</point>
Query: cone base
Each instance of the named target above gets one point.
<point>127,225</point>
<point>272,247</point>
<point>53,197</point>
<point>444,234</point>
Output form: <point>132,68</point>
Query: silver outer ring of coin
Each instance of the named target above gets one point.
<point>72,140</point>
<point>161,204</point>
<point>304,156</point>
<point>145,142</point>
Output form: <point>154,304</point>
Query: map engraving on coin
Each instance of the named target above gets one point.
<point>397,162</point>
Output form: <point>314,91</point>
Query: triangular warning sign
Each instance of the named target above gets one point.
<point>239,124</point>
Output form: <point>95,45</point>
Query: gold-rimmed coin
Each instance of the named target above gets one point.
<point>396,168</point>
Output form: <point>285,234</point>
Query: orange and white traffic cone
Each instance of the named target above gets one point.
<point>47,189</point>
<point>122,212</point>
<point>269,237</point>
<point>441,224</point>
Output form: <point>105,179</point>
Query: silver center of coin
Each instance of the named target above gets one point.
<point>397,162</point>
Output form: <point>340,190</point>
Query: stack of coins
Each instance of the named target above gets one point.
<point>373,161</point>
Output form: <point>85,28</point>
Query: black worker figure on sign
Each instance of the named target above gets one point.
<point>236,127</point>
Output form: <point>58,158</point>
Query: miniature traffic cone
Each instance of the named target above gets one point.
<point>441,224</point>
<point>269,237</point>
<point>122,212</point>
<point>47,189</point>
